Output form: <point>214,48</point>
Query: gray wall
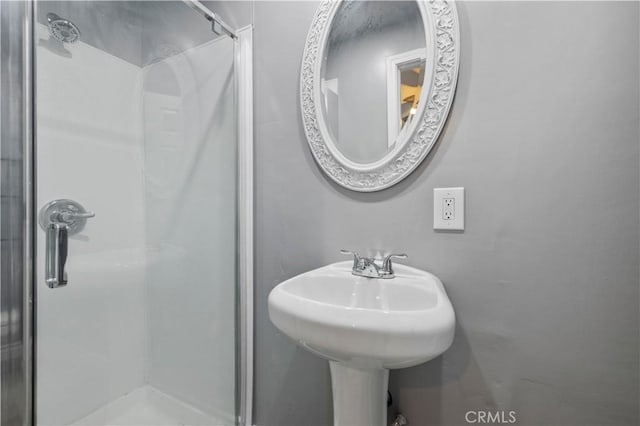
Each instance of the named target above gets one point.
<point>544,136</point>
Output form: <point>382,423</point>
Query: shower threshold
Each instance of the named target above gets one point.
<point>148,406</point>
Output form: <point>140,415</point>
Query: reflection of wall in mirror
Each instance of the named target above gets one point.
<point>329,90</point>
<point>359,64</point>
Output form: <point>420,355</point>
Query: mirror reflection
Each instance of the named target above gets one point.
<point>410,86</point>
<point>372,76</point>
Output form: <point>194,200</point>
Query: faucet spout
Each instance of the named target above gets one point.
<point>367,266</point>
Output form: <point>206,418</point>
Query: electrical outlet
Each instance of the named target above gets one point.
<point>448,209</point>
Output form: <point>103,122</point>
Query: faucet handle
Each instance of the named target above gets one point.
<point>356,257</point>
<point>71,216</point>
<point>387,266</point>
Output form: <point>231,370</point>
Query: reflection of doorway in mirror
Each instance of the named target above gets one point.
<point>411,81</point>
<point>405,79</point>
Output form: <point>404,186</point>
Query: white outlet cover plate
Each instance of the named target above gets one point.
<point>456,223</point>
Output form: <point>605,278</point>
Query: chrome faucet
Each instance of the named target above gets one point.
<point>367,266</point>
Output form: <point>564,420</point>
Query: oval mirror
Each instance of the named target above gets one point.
<point>377,82</point>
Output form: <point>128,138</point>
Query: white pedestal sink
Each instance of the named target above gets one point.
<point>364,327</point>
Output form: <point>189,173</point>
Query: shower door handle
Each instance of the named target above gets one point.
<point>56,254</point>
<point>60,219</point>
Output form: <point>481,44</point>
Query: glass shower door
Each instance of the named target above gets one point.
<point>136,185</point>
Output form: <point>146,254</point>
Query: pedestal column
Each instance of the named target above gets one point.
<point>359,395</point>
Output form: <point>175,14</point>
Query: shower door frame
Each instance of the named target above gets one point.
<point>243,68</point>
<point>17,337</point>
<point>25,310</point>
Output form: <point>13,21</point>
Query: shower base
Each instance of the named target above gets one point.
<point>148,406</point>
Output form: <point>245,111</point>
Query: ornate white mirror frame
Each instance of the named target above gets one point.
<point>441,28</point>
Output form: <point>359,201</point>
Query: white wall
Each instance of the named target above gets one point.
<point>190,174</point>
<point>91,333</point>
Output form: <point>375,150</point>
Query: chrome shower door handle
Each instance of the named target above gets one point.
<point>60,219</point>
<point>57,245</point>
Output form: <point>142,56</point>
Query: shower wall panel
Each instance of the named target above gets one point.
<point>190,184</point>
<point>91,333</point>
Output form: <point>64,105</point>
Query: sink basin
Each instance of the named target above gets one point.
<point>364,327</point>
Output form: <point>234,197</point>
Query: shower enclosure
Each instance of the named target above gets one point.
<point>126,214</point>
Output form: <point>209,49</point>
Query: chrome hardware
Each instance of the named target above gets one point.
<point>363,266</point>
<point>60,219</point>
<point>387,266</point>
<point>400,420</point>
<point>56,255</point>
<point>69,216</point>
<point>68,212</point>
<point>367,266</point>
<point>356,257</point>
